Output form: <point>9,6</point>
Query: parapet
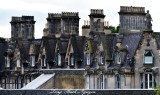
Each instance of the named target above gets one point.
<point>70,14</point>
<point>23,18</point>
<point>97,11</point>
<point>132,9</point>
<point>54,15</point>
<point>26,18</point>
<point>16,19</point>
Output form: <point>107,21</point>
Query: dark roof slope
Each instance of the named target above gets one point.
<point>157,37</point>
<point>3,48</point>
<point>109,43</point>
<point>131,41</point>
<point>50,45</point>
<point>24,46</point>
<point>78,43</point>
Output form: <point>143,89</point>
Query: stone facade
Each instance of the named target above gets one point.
<point>132,19</point>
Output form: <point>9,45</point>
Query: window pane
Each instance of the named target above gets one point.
<point>146,81</point>
<point>88,59</point>
<point>59,60</point>
<point>148,59</point>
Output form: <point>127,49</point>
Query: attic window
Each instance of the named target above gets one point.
<point>71,59</point>
<point>59,59</point>
<point>118,58</point>
<point>7,60</point>
<point>88,58</point>
<point>18,63</point>
<point>148,57</point>
<point>102,59</point>
<point>32,60</point>
<point>43,61</point>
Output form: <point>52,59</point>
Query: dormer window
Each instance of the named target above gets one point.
<point>7,60</point>
<point>71,59</point>
<point>88,58</point>
<point>32,60</point>
<point>43,61</point>
<point>59,59</point>
<point>148,57</point>
<point>102,59</point>
<point>118,58</point>
<point>18,63</point>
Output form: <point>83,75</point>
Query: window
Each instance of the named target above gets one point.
<point>19,83</point>
<point>118,81</point>
<point>101,81</point>
<point>102,59</point>
<point>88,58</point>
<point>118,58</point>
<point>43,61</point>
<point>147,81</point>
<point>59,59</point>
<point>7,60</point>
<point>18,63</point>
<point>32,60</point>
<point>87,81</point>
<point>148,57</point>
<point>71,59</point>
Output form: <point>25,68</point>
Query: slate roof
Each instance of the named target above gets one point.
<point>62,45</point>
<point>131,41</point>
<point>78,43</point>
<point>37,43</point>
<point>3,48</point>
<point>50,45</point>
<point>157,37</point>
<point>109,43</point>
<point>24,46</point>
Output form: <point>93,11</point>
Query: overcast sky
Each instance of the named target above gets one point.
<point>40,9</point>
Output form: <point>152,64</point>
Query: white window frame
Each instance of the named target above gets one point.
<point>101,81</point>
<point>87,80</point>
<point>145,82</point>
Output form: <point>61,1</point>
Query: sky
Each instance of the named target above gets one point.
<point>40,9</point>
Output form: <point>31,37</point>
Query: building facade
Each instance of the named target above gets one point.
<point>99,61</point>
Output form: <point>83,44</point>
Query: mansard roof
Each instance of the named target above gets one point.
<point>131,41</point>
